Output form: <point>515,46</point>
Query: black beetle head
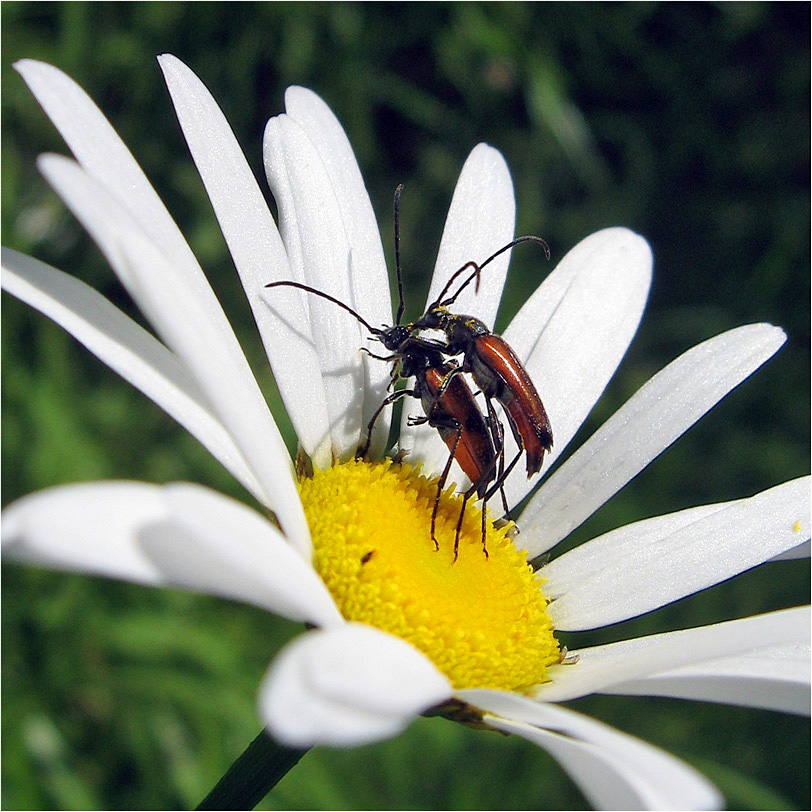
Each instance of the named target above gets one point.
<point>393,337</point>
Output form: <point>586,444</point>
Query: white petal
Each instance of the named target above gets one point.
<point>250,421</point>
<point>347,686</point>
<point>775,677</point>
<point>173,535</point>
<point>126,348</point>
<point>480,221</point>
<point>656,415</point>
<point>528,324</point>
<point>258,253</point>
<point>319,252</point>
<point>369,280</point>
<point>606,780</point>
<point>181,320</point>
<point>211,543</point>
<point>601,669</point>
<point>619,546</point>
<point>105,157</point>
<point>86,528</point>
<point>583,331</point>
<point>634,570</point>
<point>612,769</point>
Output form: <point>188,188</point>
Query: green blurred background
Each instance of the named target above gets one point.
<point>688,123</point>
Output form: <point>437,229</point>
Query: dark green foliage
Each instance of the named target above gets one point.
<point>687,122</point>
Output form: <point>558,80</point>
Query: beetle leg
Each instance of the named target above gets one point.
<point>441,483</point>
<point>418,420</point>
<point>484,527</point>
<point>429,344</point>
<point>447,381</point>
<point>459,525</point>
<point>498,434</point>
<point>475,488</point>
<point>504,473</point>
<point>501,481</point>
<point>361,452</point>
<point>371,354</point>
<point>466,496</point>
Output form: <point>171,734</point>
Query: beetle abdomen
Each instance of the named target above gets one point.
<point>474,450</point>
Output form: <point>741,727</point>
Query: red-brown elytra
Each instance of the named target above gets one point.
<point>475,441</point>
<point>494,367</point>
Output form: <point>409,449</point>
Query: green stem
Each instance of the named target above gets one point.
<point>253,775</point>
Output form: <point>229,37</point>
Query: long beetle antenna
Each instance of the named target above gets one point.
<point>476,274</point>
<point>401,303</point>
<point>374,330</point>
<point>441,302</point>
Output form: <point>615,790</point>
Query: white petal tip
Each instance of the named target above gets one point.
<point>169,62</point>
<point>490,158</point>
<point>347,686</point>
<point>302,94</point>
<point>24,65</point>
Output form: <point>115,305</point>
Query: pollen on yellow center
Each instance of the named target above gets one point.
<point>481,620</point>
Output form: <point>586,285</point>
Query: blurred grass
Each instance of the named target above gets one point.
<point>687,122</point>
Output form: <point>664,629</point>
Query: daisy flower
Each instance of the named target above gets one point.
<point>399,629</point>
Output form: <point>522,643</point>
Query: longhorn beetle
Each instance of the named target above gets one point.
<point>495,368</point>
<point>447,401</point>
<point>476,442</point>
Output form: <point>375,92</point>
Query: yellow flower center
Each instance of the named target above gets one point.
<point>481,620</point>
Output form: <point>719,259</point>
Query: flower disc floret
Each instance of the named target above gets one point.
<point>481,619</point>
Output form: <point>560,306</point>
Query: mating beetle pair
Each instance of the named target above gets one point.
<point>475,440</point>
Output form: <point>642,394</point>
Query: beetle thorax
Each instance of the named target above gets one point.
<point>462,331</point>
